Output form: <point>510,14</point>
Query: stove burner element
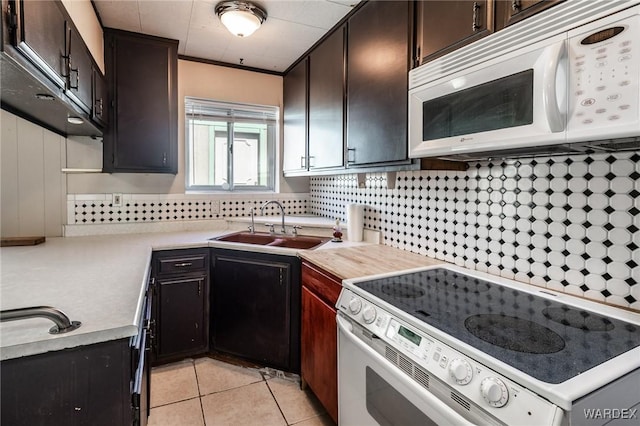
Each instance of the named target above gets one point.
<point>514,333</point>
<point>578,319</point>
<point>403,290</point>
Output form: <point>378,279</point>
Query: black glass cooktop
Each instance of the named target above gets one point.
<point>550,341</point>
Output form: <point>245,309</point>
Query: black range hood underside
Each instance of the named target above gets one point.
<point>22,94</point>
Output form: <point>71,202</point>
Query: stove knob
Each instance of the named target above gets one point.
<point>355,305</point>
<point>461,371</point>
<point>494,391</point>
<point>369,314</point>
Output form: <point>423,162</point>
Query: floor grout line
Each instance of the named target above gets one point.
<point>276,401</point>
<point>204,419</point>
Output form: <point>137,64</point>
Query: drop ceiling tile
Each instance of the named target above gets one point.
<point>319,14</point>
<point>292,27</point>
<point>122,15</point>
<point>164,18</point>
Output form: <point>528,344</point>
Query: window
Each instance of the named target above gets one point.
<point>230,147</point>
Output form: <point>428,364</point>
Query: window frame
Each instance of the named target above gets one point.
<point>231,113</point>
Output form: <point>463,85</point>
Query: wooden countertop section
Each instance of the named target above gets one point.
<point>353,262</point>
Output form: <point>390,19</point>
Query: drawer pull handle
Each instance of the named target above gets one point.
<point>183,264</point>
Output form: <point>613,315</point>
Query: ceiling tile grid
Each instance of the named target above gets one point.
<point>570,223</point>
<point>291,28</point>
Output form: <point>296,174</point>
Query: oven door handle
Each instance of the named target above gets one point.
<point>448,415</point>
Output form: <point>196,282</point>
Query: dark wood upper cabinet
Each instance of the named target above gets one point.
<point>444,26</point>
<point>45,55</point>
<point>100,98</point>
<point>295,118</point>
<point>326,103</point>
<point>41,37</point>
<point>378,56</point>
<point>79,70</point>
<point>511,11</point>
<point>142,135</point>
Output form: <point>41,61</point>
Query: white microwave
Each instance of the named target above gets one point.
<point>559,87</point>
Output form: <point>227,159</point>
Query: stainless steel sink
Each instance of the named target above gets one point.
<point>265,239</point>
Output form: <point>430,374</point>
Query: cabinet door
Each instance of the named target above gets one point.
<point>318,360</point>
<point>251,315</point>
<point>444,26</point>
<point>142,135</point>
<point>295,119</point>
<point>100,111</point>
<point>182,316</point>
<point>511,11</point>
<point>326,103</point>
<point>84,385</point>
<point>79,70</point>
<point>377,66</point>
<point>41,37</point>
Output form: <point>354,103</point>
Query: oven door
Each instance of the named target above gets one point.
<point>372,391</point>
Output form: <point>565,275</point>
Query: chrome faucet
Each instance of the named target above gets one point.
<point>252,228</point>
<point>281,211</point>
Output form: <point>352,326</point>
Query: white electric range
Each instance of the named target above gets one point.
<point>447,345</point>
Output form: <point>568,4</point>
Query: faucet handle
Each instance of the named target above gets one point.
<point>271,227</point>
<point>295,229</point>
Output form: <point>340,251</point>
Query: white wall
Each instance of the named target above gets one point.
<point>85,19</point>
<point>32,186</point>
<point>197,80</point>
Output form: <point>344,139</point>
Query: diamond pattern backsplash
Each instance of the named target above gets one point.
<point>144,208</point>
<point>566,223</point>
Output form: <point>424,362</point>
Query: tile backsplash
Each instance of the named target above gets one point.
<point>93,209</point>
<point>569,223</point>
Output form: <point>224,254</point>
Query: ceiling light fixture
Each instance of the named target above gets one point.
<point>241,18</point>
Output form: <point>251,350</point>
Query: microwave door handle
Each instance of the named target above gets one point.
<point>555,66</point>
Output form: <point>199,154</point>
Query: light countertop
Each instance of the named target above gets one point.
<point>97,280</point>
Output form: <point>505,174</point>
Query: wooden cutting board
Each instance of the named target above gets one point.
<point>21,241</point>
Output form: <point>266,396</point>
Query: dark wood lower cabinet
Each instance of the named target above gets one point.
<point>181,308</point>
<point>255,307</point>
<point>88,385</point>
<point>182,315</point>
<point>318,361</point>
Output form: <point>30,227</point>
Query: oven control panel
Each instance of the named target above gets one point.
<point>472,382</point>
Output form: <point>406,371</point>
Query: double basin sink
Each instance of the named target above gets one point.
<point>273,240</point>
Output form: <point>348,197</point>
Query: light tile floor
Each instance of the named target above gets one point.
<point>206,392</point>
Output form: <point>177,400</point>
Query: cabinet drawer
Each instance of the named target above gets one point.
<point>181,262</point>
<point>323,284</point>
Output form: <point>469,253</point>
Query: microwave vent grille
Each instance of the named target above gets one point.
<point>610,145</point>
<point>551,22</point>
<point>616,145</point>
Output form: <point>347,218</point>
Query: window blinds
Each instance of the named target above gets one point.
<point>196,108</point>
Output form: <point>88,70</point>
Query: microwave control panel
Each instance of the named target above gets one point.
<point>604,86</point>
